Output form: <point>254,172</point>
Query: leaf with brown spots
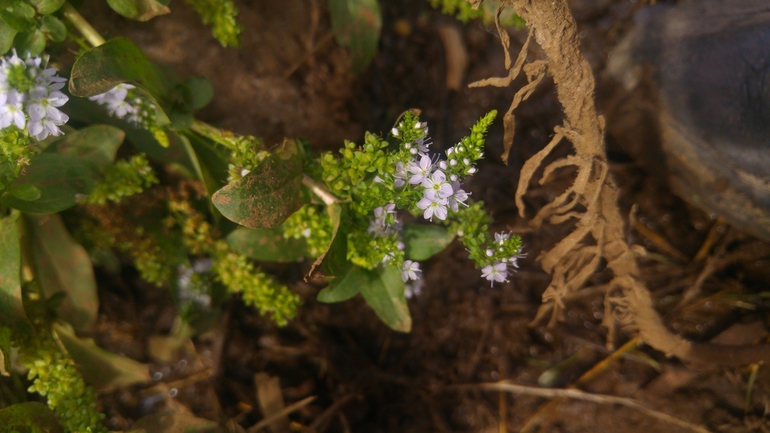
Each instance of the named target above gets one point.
<point>266,196</point>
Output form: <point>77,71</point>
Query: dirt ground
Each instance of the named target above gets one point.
<point>289,79</point>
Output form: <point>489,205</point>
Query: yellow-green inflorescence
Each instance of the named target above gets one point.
<point>124,179</point>
<point>313,225</point>
<point>235,271</point>
<point>15,154</point>
<point>54,376</point>
<point>220,16</point>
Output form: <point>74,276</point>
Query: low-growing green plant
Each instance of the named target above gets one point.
<point>367,215</point>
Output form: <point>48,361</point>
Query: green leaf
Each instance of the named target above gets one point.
<point>140,10</point>
<point>268,245</point>
<point>385,294</point>
<point>54,28</point>
<point>344,287</point>
<point>97,144</point>
<point>356,25</point>
<point>19,17</point>
<point>334,261</point>
<point>30,417</point>
<point>12,312</point>
<point>32,42</point>
<point>266,196</point>
<point>382,289</point>
<point>5,351</point>
<point>63,265</point>
<point>174,422</point>
<point>7,33</point>
<point>89,112</point>
<point>25,192</point>
<point>117,61</point>
<point>104,370</point>
<point>421,242</point>
<point>61,179</point>
<point>197,92</point>
<point>46,7</point>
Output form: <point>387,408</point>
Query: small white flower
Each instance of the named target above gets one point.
<point>442,165</point>
<point>420,170</point>
<point>306,232</point>
<point>450,151</point>
<point>453,178</point>
<point>497,272</point>
<point>410,270</point>
<point>490,253</point>
<point>413,289</point>
<point>394,131</point>
<point>244,172</point>
<point>452,162</point>
<point>400,175</point>
<point>458,197</point>
<point>501,237</point>
<point>472,170</point>
<point>437,186</point>
<point>466,161</point>
<point>11,111</point>
<point>433,207</point>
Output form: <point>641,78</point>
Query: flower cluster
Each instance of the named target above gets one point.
<point>54,376</point>
<point>503,253</point>
<point>30,96</point>
<point>125,102</point>
<point>123,179</point>
<point>382,177</point>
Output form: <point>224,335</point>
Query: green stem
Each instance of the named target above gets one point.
<point>212,133</point>
<point>84,27</point>
<point>324,194</point>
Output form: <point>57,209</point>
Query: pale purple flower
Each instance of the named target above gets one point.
<point>44,116</point>
<point>400,175</point>
<point>410,270</point>
<point>420,170</point>
<point>501,237</point>
<point>11,111</point>
<point>432,207</point>
<point>458,197</point>
<point>413,289</point>
<point>497,272</point>
<point>437,186</point>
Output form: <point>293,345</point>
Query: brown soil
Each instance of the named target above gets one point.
<point>370,379</point>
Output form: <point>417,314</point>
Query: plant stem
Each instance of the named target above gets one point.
<point>324,194</point>
<point>84,27</point>
<point>212,133</point>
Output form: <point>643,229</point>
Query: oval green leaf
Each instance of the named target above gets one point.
<point>345,287</point>
<point>46,7</point>
<point>103,370</point>
<point>421,242</point>
<point>30,417</point>
<point>12,313</point>
<point>267,245</point>
<point>334,261</point>
<point>356,25</point>
<point>63,266</point>
<point>97,144</point>
<point>55,29</point>
<point>25,192</point>
<point>265,197</point>
<point>117,61</point>
<point>61,179</point>
<point>385,295</point>
<point>7,33</point>
<point>140,10</point>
